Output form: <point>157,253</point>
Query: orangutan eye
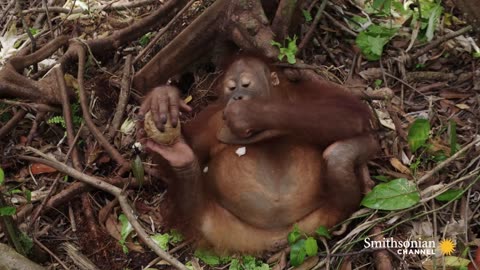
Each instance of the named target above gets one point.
<point>245,81</point>
<point>230,85</point>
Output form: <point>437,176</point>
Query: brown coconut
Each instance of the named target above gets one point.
<point>169,136</point>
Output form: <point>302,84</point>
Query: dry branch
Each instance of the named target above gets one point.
<point>115,191</point>
<point>123,97</point>
<point>114,7</point>
<point>19,115</point>
<point>243,22</point>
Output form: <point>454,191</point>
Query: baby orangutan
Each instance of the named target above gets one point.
<point>307,145</point>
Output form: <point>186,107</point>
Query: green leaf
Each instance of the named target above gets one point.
<point>418,134</point>
<point>34,31</point>
<point>452,262</point>
<point>138,170</point>
<point>307,15</point>
<point>290,51</point>
<point>323,231</point>
<point>476,55</point>
<point>372,40</point>
<point>311,246</point>
<point>189,265</point>
<point>450,195</point>
<point>439,156</point>
<point>433,21</point>
<point>145,39</point>
<point>294,235</point>
<point>274,43</point>
<point>7,211</point>
<point>298,253</point>
<point>28,195</point>
<point>234,265</point>
<point>15,191</point>
<point>291,59</point>
<point>249,262</point>
<point>26,242</point>
<point>465,252</point>
<point>175,237</point>
<point>452,131</point>
<point>262,266</point>
<point>125,232</point>
<point>292,45</point>
<point>377,4</point>
<point>381,178</point>
<point>59,120</point>
<point>161,240</point>
<point>207,257</point>
<point>394,195</point>
<point>2,177</point>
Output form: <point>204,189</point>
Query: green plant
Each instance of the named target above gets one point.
<point>23,244</point>
<point>302,245</point>
<point>125,232</point>
<point>145,39</point>
<point>172,237</point>
<point>210,258</point>
<point>76,117</point>
<point>372,40</point>
<point>418,134</point>
<point>248,263</point>
<point>307,15</point>
<point>427,16</point>
<point>289,51</point>
<point>450,195</point>
<point>394,195</point>
<point>58,119</point>
<point>382,5</point>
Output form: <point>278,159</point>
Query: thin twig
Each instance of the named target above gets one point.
<point>123,97</point>
<point>67,116</point>
<point>40,208</point>
<point>42,246</point>
<point>339,24</point>
<point>6,10</point>
<point>440,40</point>
<point>33,130</point>
<point>126,6</point>
<point>442,165</point>
<point>162,31</point>
<point>312,28</point>
<point>112,151</point>
<point>49,21</point>
<point>115,191</point>
<point>19,115</point>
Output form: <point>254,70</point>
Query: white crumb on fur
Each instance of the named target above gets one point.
<point>241,151</point>
<point>205,170</point>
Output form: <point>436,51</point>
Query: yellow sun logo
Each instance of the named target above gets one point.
<point>447,247</point>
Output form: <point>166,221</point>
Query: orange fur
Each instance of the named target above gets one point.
<point>249,203</point>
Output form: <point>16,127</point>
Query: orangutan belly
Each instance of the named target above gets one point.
<point>271,186</point>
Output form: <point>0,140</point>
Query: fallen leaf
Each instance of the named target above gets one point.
<point>451,263</point>
<point>371,74</point>
<point>308,264</point>
<point>399,166</point>
<point>462,106</point>
<point>39,168</point>
<point>385,119</point>
<point>114,228</point>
